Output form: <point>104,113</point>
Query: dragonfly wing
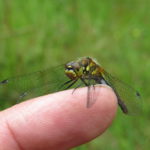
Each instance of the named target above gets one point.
<point>32,85</point>
<point>128,98</point>
<point>39,91</point>
<point>91,96</point>
<point>91,93</point>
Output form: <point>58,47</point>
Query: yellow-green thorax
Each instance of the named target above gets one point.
<point>83,68</point>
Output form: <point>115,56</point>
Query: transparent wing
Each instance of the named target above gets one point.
<point>91,94</point>
<point>91,91</point>
<point>128,98</point>
<point>33,85</point>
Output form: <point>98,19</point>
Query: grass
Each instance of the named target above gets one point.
<point>40,34</point>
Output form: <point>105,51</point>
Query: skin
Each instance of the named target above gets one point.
<point>58,121</point>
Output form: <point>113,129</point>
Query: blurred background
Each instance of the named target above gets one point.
<point>44,33</point>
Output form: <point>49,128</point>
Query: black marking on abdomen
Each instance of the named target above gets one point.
<point>121,103</point>
<point>122,106</point>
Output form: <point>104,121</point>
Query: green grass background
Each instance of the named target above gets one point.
<point>44,33</point>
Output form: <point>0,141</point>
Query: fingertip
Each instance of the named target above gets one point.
<point>98,117</point>
<point>62,118</point>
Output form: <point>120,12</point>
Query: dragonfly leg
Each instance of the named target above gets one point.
<point>86,84</point>
<point>70,85</point>
<point>76,88</point>
<point>62,85</point>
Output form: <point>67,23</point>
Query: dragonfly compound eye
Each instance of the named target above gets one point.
<point>69,71</point>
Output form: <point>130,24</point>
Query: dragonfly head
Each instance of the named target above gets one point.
<point>72,70</point>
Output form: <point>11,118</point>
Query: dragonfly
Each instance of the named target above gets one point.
<point>84,71</point>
